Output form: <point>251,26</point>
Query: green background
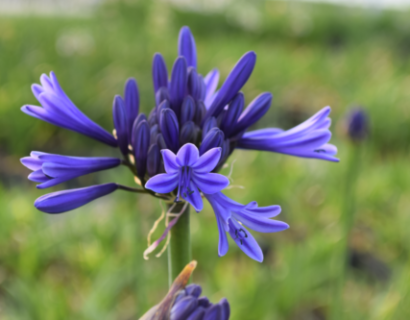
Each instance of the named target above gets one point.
<point>88,264</point>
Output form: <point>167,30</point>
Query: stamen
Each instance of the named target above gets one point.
<point>244,232</point>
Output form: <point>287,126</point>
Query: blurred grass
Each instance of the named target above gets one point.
<point>88,264</point>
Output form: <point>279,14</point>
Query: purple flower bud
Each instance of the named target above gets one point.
<point>141,135</point>
<point>226,310</point>
<point>186,46</point>
<point>358,124</point>
<point>198,314</point>
<point>231,116</point>
<point>153,134</point>
<point>225,151</point>
<point>152,118</point>
<point>193,290</point>
<point>255,110</point>
<point>204,302</point>
<point>202,87</point>
<point>208,125</point>
<point>194,85</point>
<point>178,84</point>
<point>120,124</point>
<point>161,142</point>
<point>62,201</point>
<point>200,112</point>
<point>213,313</point>
<point>170,129</point>
<point>153,160</point>
<point>189,133</point>
<point>235,81</point>
<point>183,308</point>
<point>141,117</point>
<point>163,105</point>
<point>161,95</point>
<point>159,72</point>
<point>213,139</point>
<point>188,110</point>
<point>132,102</point>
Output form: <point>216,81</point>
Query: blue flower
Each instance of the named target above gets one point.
<point>307,140</point>
<point>66,200</point>
<point>189,173</point>
<point>189,306</point>
<point>232,217</point>
<point>58,109</point>
<point>52,169</point>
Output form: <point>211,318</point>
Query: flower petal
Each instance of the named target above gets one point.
<point>223,244</point>
<point>260,224</point>
<point>162,183</point>
<point>210,183</point>
<point>170,161</point>
<point>187,155</point>
<point>208,161</point>
<point>247,244</point>
<point>194,198</point>
<point>186,46</point>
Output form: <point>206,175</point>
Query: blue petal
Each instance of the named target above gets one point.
<point>187,155</point>
<point>120,124</point>
<point>223,244</point>
<point>132,102</point>
<point>66,200</point>
<point>141,146</point>
<point>248,245</point>
<point>194,198</point>
<point>233,83</point>
<point>38,176</point>
<point>170,161</point>
<point>159,72</point>
<point>198,314</point>
<point>211,81</point>
<point>214,313</point>
<point>210,183</point>
<point>186,46</point>
<point>267,212</point>
<point>231,116</point>
<point>260,224</point>
<point>31,163</point>
<point>213,139</point>
<point>208,161</point>
<point>226,310</point>
<point>170,129</point>
<point>162,183</point>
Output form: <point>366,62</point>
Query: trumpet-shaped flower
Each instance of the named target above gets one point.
<point>188,174</point>
<point>232,217</point>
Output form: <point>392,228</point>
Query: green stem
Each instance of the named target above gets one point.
<point>179,249</point>
<point>347,221</point>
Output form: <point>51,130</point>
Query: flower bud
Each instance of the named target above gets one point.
<point>188,110</point>
<point>189,133</point>
<point>153,160</point>
<point>194,86</point>
<point>208,125</point>
<point>357,124</point>
<point>141,135</point>
<point>231,116</point>
<point>213,139</point>
<point>178,84</point>
<point>120,124</point>
<point>170,129</point>
<point>200,112</point>
<point>132,102</point>
<point>161,95</point>
<point>159,72</point>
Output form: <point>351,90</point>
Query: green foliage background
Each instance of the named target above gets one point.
<point>88,264</point>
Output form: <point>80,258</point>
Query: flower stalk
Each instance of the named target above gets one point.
<point>179,248</point>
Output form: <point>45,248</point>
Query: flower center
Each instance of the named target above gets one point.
<point>184,189</point>
<point>240,234</point>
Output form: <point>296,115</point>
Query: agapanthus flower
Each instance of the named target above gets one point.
<point>189,173</point>
<point>232,217</point>
<point>194,125</point>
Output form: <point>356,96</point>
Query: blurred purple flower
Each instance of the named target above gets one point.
<point>357,124</point>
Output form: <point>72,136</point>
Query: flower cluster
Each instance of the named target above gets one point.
<point>176,151</point>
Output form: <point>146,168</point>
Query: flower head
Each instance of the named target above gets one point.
<point>357,124</point>
<point>232,217</point>
<point>189,173</point>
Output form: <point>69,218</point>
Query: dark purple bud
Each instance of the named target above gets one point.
<point>198,314</point>
<point>188,110</point>
<point>202,92</point>
<point>62,201</point>
<point>161,142</point>
<point>152,118</point>
<point>141,135</point>
<point>170,129</point>
<point>120,124</point>
<point>141,117</point>
<point>233,83</point>
<point>358,124</point>
<point>186,46</point>
<point>159,72</point>
<point>194,86</point>
<point>204,302</point>
<point>153,160</point>
<point>200,112</point>
<point>208,125</point>
<point>181,294</point>
<point>161,95</point>
<point>214,313</point>
<point>189,133</point>
<point>226,310</point>
<point>231,116</point>
<point>132,102</point>
<point>163,105</point>
<point>255,110</point>
<point>178,84</point>
<point>184,307</point>
<point>213,139</point>
<point>193,290</point>
<point>225,151</point>
<point>153,134</point>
